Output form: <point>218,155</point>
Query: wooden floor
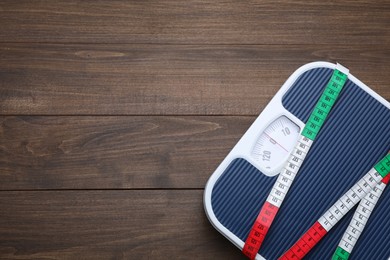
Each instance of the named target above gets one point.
<point>115,113</point>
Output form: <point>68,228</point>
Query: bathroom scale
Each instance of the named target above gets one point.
<point>342,128</point>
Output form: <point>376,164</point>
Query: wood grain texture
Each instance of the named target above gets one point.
<point>46,79</point>
<point>196,21</point>
<point>114,152</point>
<point>113,114</point>
<point>108,225</point>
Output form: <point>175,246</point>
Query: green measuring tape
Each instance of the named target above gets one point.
<point>367,191</point>
<point>363,213</point>
<point>324,105</point>
<point>282,185</point>
<point>383,167</point>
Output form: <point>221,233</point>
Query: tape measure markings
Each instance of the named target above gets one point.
<point>359,221</point>
<point>324,105</point>
<point>338,210</point>
<point>286,177</point>
<point>383,167</point>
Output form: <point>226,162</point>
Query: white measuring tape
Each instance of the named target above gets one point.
<point>367,190</point>
<point>283,183</point>
<point>359,221</point>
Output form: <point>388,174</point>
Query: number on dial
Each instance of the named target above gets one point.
<point>275,144</point>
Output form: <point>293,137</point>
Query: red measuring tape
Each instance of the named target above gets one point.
<point>283,183</point>
<point>343,205</point>
<point>259,229</point>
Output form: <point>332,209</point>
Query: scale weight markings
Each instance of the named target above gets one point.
<point>267,147</point>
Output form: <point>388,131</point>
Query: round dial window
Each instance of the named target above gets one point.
<point>275,144</point>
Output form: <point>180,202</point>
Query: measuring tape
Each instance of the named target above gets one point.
<point>359,221</point>
<point>283,183</point>
<point>369,184</point>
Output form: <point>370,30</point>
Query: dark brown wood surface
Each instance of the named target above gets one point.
<point>113,224</point>
<point>349,22</point>
<point>113,114</point>
<point>155,79</point>
<point>114,152</point>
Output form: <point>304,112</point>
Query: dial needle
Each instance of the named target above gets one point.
<point>270,138</point>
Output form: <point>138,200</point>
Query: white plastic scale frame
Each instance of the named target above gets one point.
<point>243,148</point>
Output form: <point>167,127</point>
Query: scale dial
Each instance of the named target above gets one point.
<point>275,144</point>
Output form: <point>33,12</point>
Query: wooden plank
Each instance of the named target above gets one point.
<point>108,225</point>
<point>114,152</point>
<point>196,21</point>
<point>47,79</point>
